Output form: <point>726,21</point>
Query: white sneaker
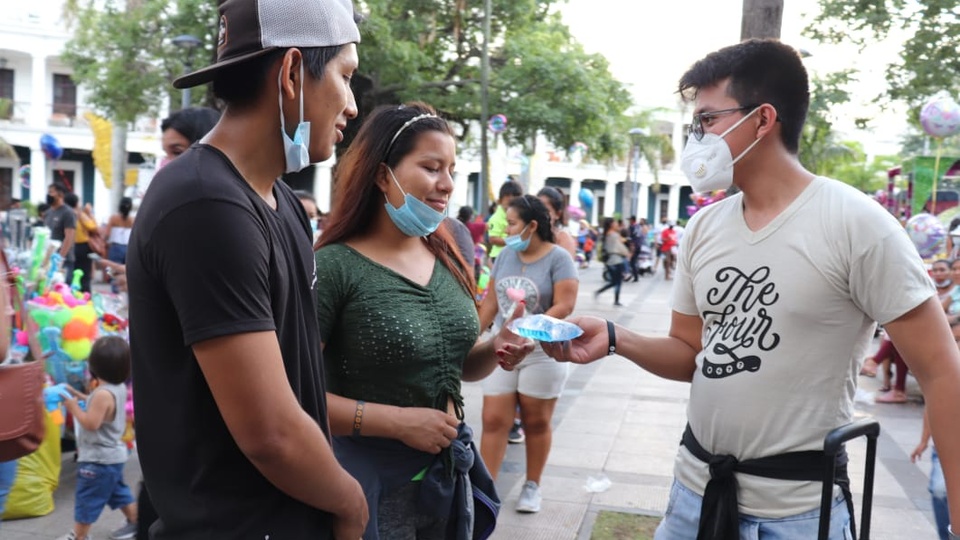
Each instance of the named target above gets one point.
<point>530,498</point>
<point>71,536</point>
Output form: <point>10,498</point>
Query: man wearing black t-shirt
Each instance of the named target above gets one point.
<point>231,410</point>
<point>62,223</point>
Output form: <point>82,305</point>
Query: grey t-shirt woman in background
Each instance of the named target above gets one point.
<point>532,269</point>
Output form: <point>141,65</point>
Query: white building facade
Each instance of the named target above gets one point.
<point>39,97</point>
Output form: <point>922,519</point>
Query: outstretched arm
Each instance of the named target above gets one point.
<point>671,357</point>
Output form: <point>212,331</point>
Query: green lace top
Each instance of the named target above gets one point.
<point>387,339</point>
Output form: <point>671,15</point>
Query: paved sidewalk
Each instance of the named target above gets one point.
<point>617,420</point>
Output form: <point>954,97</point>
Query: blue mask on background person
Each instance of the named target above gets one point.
<point>295,151</point>
<point>414,217</point>
<point>516,241</point>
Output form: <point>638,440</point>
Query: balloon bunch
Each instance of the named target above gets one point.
<point>701,200</point>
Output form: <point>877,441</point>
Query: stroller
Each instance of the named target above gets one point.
<point>644,260</point>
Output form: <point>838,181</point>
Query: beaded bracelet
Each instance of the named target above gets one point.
<point>358,418</point>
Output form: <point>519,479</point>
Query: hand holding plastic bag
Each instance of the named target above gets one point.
<point>544,328</point>
<point>512,348</point>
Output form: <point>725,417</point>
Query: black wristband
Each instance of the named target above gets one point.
<point>611,339</point>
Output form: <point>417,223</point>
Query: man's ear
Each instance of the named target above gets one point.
<point>290,70</point>
<point>768,119</point>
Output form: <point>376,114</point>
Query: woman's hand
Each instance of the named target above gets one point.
<point>511,349</point>
<point>427,430</point>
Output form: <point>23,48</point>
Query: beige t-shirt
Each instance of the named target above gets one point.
<point>788,312</point>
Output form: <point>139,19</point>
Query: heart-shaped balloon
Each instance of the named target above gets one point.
<point>515,295</point>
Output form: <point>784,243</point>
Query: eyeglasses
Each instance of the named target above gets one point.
<point>696,127</point>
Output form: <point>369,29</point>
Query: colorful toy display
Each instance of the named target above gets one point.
<point>56,322</point>
<point>483,282</point>
<point>53,398</point>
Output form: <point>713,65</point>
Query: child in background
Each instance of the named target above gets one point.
<point>100,451</point>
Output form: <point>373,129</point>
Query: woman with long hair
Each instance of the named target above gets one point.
<point>118,231</point>
<point>536,273</point>
<point>552,197</point>
<point>398,320</point>
<point>615,252</point>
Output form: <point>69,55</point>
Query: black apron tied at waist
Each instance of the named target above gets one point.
<point>720,516</point>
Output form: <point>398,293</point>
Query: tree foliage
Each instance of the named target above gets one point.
<point>928,63</point>
<point>540,77</point>
<point>854,167</point>
<point>428,50</point>
<point>819,142</point>
<point>821,149</point>
<point>122,54</point>
<point>110,56</point>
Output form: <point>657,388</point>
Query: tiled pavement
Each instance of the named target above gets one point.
<point>617,420</point>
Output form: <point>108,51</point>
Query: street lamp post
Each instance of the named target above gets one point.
<point>188,43</point>
<point>636,138</point>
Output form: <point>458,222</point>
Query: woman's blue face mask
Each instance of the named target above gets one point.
<point>414,217</point>
<point>516,241</point>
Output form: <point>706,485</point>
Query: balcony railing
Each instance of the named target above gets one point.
<point>66,116</point>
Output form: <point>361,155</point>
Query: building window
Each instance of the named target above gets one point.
<point>64,96</point>
<point>6,93</point>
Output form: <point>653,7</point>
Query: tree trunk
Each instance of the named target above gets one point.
<point>761,19</point>
<point>118,163</point>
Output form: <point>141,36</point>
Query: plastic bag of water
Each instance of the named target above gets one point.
<point>544,328</point>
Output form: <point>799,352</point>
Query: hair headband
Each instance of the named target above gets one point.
<point>405,126</point>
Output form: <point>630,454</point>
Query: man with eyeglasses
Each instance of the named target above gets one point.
<point>776,292</point>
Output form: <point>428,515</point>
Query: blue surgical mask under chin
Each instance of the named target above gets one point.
<point>414,217</point>
<point>516,241</point>
<point>296,152</point>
